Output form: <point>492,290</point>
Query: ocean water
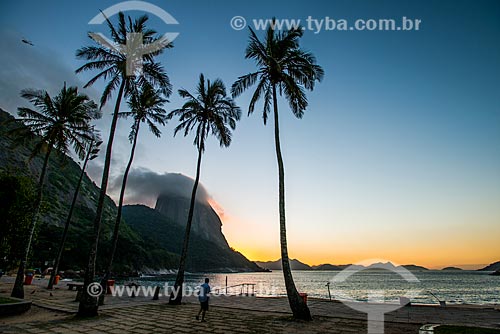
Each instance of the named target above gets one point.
<point>461,287</point>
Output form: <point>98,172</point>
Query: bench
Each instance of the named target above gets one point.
<point>77,286</point>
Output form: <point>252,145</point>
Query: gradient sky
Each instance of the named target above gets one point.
<point>397,156</point>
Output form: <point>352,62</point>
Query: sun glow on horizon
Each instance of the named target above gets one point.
<point>433,252</point>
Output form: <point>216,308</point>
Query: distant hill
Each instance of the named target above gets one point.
<point>381,265</point>
<point>326,266</point>
<point>276,265</point>
<point>413,267</point>
<point>298,265</point>
<point>391,266</point>
<point>351,266</point>
<point>452,269</point>
<point>388,266</point>
<point>492,267</point>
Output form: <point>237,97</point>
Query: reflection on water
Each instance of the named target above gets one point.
<point>469,287</point>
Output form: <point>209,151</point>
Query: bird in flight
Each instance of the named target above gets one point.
<point>27,42</point>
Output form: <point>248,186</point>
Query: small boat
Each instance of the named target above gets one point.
<point>146,276</point>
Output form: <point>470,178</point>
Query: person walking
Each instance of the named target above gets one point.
<point>203,297</point>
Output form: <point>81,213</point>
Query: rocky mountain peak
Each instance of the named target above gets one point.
<point>206,222</point>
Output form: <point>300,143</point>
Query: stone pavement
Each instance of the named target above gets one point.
<point>162,318</point>
<point>416,314</point>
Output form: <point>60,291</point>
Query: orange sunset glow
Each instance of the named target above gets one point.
<point>468,248</point>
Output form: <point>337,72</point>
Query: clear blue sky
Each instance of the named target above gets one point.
<point>397,156</point>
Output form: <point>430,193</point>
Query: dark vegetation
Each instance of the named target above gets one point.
<point>156,247</point>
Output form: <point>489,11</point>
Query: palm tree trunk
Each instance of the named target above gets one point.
<point>18,289</point>
<point>89,304</point>
<point>104,281</point>
<point>299,308</point>
<point>55,269</point>
<point>179,280</point>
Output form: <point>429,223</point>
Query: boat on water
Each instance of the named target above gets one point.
<point>157,273</point>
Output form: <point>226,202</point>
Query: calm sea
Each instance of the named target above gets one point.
<point>470,287</point>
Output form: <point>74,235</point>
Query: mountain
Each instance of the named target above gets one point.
<point>452,269</point>
<point>62,176</point>
<point>148,240</point>
<point>203,255</point>
<point>381,266</point>
<point>326,266</point>
<point>297,265</point>
<point>351,266</point>
<point>414,267</point>
<point>276,265</point>
<point>492,267</point>
<point>206,223</point>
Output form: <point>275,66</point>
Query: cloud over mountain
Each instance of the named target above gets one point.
<point>144,186</point>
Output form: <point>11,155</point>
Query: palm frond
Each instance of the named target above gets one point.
<point>145,105</point>
<point>209,111</point>
<point>282,65</point>
<point>112,64</point>
<point>109,88</point>
<point>295,96</point>
<point>58,122</point>
<point>243,83</point>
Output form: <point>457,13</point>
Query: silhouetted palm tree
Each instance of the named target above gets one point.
<point>113,67</point>
<point>92,153</point>
<point>58,122</point>
<point>211,111</point>
<point>145,107</point>
<point>285,68</point>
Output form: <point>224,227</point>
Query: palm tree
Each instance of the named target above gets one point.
<point>58,122</point>
<point>282,66</point>
<point>92,153</point>
<point>113,66</point>
<point>146,107</point>
<point>211,111</point>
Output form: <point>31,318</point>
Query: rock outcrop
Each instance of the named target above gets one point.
<point>492,267</point>
<point>206,222</point>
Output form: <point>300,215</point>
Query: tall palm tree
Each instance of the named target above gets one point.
<point>58,122</point>
<point>113,67</point>
<point>285,68</point>
<point>211,111</point>
<point>92,153</point>
<point>145,107</point>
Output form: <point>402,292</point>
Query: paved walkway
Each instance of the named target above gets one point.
<point>162,318</point>
<point>230,314</point>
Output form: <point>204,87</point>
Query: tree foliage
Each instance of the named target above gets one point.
<point>17,195</point>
